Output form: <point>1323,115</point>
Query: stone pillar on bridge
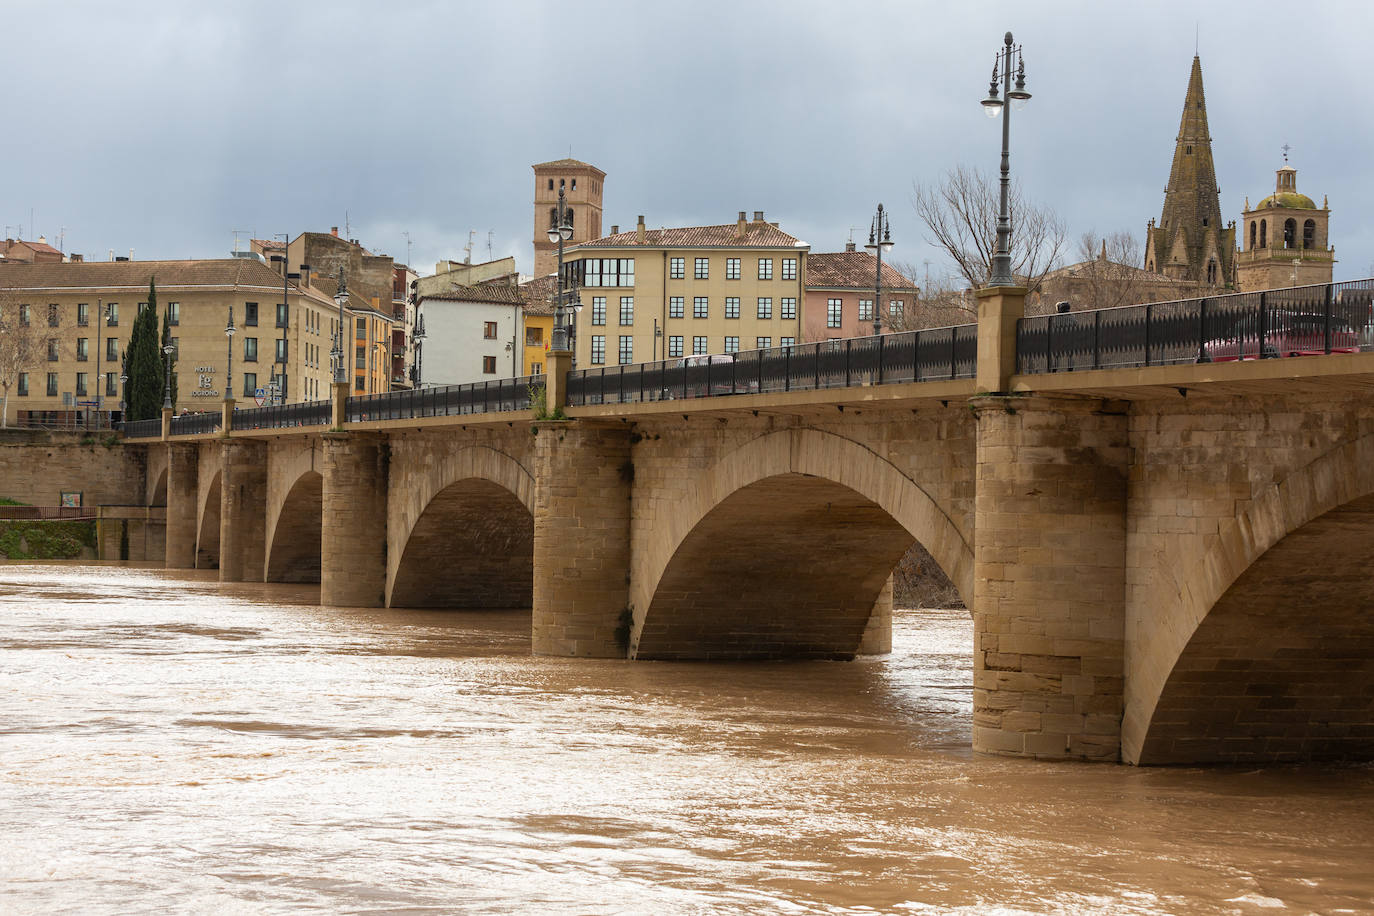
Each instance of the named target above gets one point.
<point>353,526</point>
<point>1049,571</point>
<point>999,308</point>
<point>877,638</point>
<point>243,511</point>
<point>182,498</point>
<point>582,539</point>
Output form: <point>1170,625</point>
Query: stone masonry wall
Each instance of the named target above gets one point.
<point>36,467</point>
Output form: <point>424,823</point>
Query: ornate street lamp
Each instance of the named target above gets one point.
<point>1005,59</point>
<point>229,330</point>
<point>879,240</point>
<point>167,351</point>
<point>419,338</point>
<point>336,355</point>
<point>123,383</point>
<point>560,232</point>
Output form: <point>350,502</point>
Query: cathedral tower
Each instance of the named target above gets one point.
<point>1190,242</point>
<point>581,184</point>
<point>1284,239</point>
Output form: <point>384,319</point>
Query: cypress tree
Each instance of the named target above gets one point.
<point>144,394</point>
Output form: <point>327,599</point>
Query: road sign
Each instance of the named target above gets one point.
<point>87,403</point>
<point>260,396</point>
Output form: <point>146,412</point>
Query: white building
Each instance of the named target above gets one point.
<point>472,334</point>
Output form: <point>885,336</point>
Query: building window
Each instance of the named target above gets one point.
<point>173,313</point>
<point>534,337</point>
<point>1290,233</point>
<point>112,315</point>
<point>81,384</point>
<point>598,310</point>
<point>834,312</point>
<point>789,268</point>
<point>112,349</point>
<point>281,350</point>
<point>765,268</point>
<point>700,307</point>
<point>787,341</point>
<point>677,268</point>
<point>488,330</point>
<point>699,346</point>
<point>52,349</point>
<point>360,357</point>
<point>250,349</point>
<point>1264,233</point>
<point>895,308</point>
<point>488,365</point>
<point>24,316</point>
<point>789,308</point>
<point>360,383</point>
<point>250,384</point>
<point>732,306</point>
<point>598,350</point>
<point>283,316</point>
<point>627,349</point>
<point>675,345</point>
<point>675,307</point>
<point>627,310</point>
<point>732,268</point>
<point>361,332</point>
<point>732,345</point>
<point>763,343</point>
<point>83,349</point>
<point>83,314</point>
<point>865,310</point>
<point>765,307</point>
<point>52,384</point>
<point>1212,272</point>
<point>23,384</point>
<point>111,384</point>
<point>536,368</point>
<point>703,269</point>
<point>608,272</point>
<point>250,314</point>
<point>1309,233</point>
<point>53,316</point>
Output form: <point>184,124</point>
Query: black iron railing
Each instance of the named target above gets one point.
<point>449,400</point>
<point>1300,321</point>
<point>142,429</point>
<point>195,424</point>
<point>933,354</point>
<point>282,416</point>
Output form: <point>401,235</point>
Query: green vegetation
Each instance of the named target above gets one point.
<point>144,390</point>
<point>539,405</point>
<point>34,540</point>
<point>6,501</point>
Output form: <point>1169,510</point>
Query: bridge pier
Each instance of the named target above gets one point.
<point>243,511</point>
<point>581,539</point>
<point>183,497</point>
<point>1049,570</point>
<point>353,520</point>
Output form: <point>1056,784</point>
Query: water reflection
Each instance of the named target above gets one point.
<point>171,743</point>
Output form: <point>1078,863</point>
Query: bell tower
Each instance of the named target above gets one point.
<point>581,184</point>
<point>1189,242</point>
<point>1284,239</point>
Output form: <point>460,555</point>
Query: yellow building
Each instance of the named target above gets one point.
<point>82,314</point>
<point>538,323</point>
<point>667,293</point>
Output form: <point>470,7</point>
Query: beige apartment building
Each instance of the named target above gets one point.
<point>668,293</point>
<point>83,312</point>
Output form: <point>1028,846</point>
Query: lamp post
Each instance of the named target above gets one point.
<point>99,378</point>
<point>419,338</point>
<point>1006,58</point>
<point>167,350</point>
<point>560,232</point>
<point>229,330</point>
<point>123,384</point>
<point>337,353</point>
<point>879,240</point>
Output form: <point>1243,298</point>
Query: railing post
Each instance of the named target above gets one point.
<point>226,416</point>
<point>1049,343</point>
<point>339,411</point>
<point>1326,313</point>
<point>1097,339</point>
<point>1148,313</point>
<point>848,352</point>
<point>816,368</point>
<point>1202,355</point>
<point>787,369</point>
<point>953,352</point>
<point>166,423</point>
<point>556,379</point>
<point>916,356</point>
<point>880,359</point>
<point>1263,327</point>
<point>1000,309</point>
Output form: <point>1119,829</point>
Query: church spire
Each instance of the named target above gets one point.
<point>1190,242</point>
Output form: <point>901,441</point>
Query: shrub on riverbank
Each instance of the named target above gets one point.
<point>918,581</point>
<point>46,540</point>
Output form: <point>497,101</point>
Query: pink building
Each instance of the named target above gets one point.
<point>839,296</point>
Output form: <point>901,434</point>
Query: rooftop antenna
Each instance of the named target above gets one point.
<point>61,238</point>
<point>348,230</point>
<point>406,233</point>
<point>1286,148</point>
<point>237,233</point>
<point>1197,30</point>
<point>467,249</point>
<point>490,233</point>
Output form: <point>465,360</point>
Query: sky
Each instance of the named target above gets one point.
<point>163,127</point>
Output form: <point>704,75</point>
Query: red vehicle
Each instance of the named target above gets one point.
<point>1288,334</point>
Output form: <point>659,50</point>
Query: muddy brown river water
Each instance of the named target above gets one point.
<point>168,744</point>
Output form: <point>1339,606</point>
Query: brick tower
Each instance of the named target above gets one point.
<point>1190,242</point>
<point>581,184</point>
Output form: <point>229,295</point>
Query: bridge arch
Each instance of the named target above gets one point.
<point>461,532</point>
<point>155,477</point>
<point>828,511</point>
<point>1232,670</point>
<point>295,512</point>
<point>207,524</point>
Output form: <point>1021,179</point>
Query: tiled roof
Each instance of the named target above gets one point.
<point>43,247</point>
<point>851,270</point>
<point>267,244</point>
<point>566,164</point>
<point>756,235</point>
<point>539,294</point>
<point>328,286</point>
<point>134,275</point>
<point>494,293</point>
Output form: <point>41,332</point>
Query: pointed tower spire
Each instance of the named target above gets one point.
<point>1190,241</point>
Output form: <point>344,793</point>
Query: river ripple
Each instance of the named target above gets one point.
<point>171,744</point>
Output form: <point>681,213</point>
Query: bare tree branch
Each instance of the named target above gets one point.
<point>22,346</point>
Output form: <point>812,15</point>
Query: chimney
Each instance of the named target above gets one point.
<point>758,216</point>
<point>334,231</point>
<point>42,240</point>
<point>639,230</point>
<point>849,245</point>
<point>615,230</point>
<point>740,226</point>
<point>76,258</point>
